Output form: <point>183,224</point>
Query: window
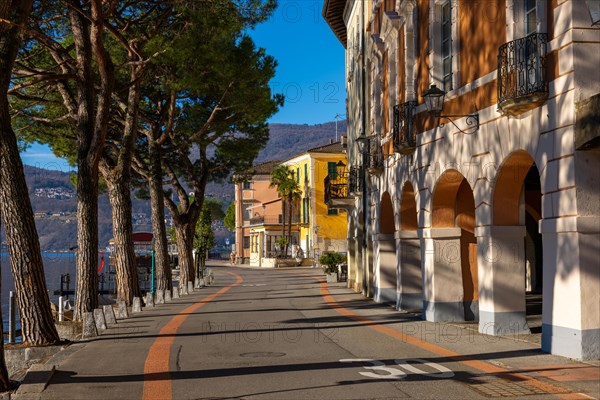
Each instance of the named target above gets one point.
<point>530,17</point>
<point>246,242</point>
<point>305,210</point>
<point>332,170</point>
<point>447,46</point>
<point>332,211</point>
<point>247,185</point>
<point>385,107</point>
<point>306,174</point>
<point>298,175</point>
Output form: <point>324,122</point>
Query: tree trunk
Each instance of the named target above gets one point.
<point>118,179</point>
<point>21,235</point>
<point>87,239</point>
<point>127,280</point>
<point>185,241</point>
<point>202,264</point>
<point>159,230</point>
<point>91,122</point>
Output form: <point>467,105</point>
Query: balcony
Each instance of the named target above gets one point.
<point>273,220</point>
<point>404,132</point>
<point>522,80</point>
<point>375,161</point>
<point>355,181</point>
<point>337,193</point>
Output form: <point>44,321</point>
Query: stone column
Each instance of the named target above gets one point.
<point>571,293</point>
<point>351,262</point>
<point>442,275</point>
<point>384,246</point>
<point>501,272</point>
<point>358,251</point>
<point>410,278</point>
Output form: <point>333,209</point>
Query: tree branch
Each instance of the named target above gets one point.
<point>213,114</point>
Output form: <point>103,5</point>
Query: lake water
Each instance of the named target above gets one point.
<point>55,265</point>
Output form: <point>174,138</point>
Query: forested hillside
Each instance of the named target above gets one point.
<point>53,195</point>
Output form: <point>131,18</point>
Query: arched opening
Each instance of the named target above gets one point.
<point>410,277</point>
<point>386,216</point>
<point>517,203</point>
<point>453,207</point>
<point>385,288</point>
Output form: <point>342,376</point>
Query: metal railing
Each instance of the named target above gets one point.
<point>272,219</point>
<point>522,68</point>
<point>375,162</point>
<point>404,132</point>
<point>355,180</point>
<point>336,186</point>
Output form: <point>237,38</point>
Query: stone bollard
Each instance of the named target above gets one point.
<point>196,283</point>
<point>137,305</point>
<point>122,310</point>
<point>149,300</point>
<point>167,296</point>
<point>89,326</point>
<point>190,287</point>
<point>183,289</point>
<point>99,318</point>
<point>175,292</point>
<point>201,283</point>
<point>160,297</point>
<point>109,314</point>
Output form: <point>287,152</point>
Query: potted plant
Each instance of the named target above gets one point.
<point>330,262</point>
<point>280,246</point>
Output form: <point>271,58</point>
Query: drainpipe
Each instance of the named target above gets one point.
<point>365,203</point>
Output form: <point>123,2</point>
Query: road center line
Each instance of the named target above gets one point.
<point>157,380</point>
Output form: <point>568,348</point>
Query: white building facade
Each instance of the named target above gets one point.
<point>468,212</point>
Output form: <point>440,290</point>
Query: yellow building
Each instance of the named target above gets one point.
<point>321,228</point>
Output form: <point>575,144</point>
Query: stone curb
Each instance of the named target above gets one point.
<point>36,380</point>
<point>38,376</point>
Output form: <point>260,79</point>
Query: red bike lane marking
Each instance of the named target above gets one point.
<point>157,379</point>
<point>453,356</point>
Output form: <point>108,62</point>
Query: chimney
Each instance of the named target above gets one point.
<point>344,141</point>
<point>330,140</point>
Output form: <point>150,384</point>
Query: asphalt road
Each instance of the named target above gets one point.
<point>279,334</point>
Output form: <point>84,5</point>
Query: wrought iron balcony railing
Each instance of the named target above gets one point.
<point>522,80</point>
<point>375,162</point>
<point>273,219</point>
<point>404,132</point>
<point>355,180</point>
<point>336,186</point>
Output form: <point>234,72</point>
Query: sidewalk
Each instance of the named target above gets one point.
<point>512,358</point>
<point>491,366</point>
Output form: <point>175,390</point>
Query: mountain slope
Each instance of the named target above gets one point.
<point>55,204</point>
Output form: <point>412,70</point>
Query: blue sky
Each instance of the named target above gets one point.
<point>310,71</point>
<point>310,59</point>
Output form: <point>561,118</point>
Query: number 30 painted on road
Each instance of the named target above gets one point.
<point>395,373</point>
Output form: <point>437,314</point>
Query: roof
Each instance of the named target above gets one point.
<point>333,13</point>
<point>265,168</point>
<point>328,148</point>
